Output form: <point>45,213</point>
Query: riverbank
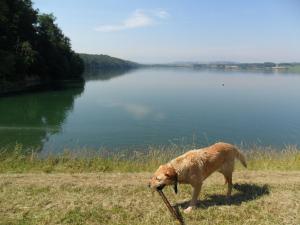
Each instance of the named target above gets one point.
<point>104,188</point>
<point>259,197</point>
<point>86,160</point>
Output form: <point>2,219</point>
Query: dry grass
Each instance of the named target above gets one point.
<point>123,198</point>
<point>104,188</point>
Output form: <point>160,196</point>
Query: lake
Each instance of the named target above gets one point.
<point>157,106</point>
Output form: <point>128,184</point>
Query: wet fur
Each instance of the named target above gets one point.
<point>195,166</point>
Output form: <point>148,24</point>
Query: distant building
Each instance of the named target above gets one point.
<point>231,67</point>
<point>277,67</point>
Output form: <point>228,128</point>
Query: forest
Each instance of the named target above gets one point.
<point>33,49</point>
<point>95,62</point>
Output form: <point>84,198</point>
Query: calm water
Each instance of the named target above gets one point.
<point>157,106</point>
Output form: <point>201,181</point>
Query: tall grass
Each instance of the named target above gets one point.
<point>88,160</point>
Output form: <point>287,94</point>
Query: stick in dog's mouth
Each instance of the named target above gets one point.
<point>159,188</point>
<point>172,210</point>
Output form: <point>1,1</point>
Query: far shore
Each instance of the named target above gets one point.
<point>36,84</point>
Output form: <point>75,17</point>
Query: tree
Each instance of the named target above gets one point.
<point>32,45</point>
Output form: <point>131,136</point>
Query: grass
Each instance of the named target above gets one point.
<point>134,161</point>
<point>105,188</point>
<point>123,198</point>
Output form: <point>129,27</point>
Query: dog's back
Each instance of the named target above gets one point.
<point>225,152</point>
<point>203,162</point>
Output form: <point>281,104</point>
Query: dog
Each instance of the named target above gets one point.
<point>195,166</point>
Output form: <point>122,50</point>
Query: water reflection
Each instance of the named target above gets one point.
<point>30,119</point>
<point>138,111</point>
<point>104,74</point>
<point>157,106</point>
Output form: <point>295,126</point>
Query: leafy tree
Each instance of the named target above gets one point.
<point>32,45</point>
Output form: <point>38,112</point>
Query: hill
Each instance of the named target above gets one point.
<point>105,62</point>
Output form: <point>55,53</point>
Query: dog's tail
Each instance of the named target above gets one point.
<point>240,157</point>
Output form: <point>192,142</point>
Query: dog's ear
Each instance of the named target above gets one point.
<point>171,174</point>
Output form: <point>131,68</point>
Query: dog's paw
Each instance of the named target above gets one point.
<point>188,209</point>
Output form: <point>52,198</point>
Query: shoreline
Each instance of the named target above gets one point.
<point>38,86</point>
<point>16,161</point>
<point>34,85</point>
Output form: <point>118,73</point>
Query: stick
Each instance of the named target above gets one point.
<point>174,213</point>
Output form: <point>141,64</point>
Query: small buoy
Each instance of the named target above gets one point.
<point>222,84</point>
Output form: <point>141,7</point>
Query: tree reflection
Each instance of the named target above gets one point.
<point>28,119</point>
<point>104,74</point>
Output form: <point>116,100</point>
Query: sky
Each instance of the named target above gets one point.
<point>162,31</point>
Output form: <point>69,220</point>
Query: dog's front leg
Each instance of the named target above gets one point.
<point>193,202</point>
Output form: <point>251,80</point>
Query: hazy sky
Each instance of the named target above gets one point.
<point>177,30</point>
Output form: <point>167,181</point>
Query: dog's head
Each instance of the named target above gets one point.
<point>164,175</point>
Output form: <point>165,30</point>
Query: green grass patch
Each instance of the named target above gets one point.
<point>85,160</point>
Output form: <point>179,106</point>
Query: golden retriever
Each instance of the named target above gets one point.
<point>195,166</point>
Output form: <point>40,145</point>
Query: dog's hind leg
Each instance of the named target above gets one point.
<point>227,170</point>
<point>228,178</point>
